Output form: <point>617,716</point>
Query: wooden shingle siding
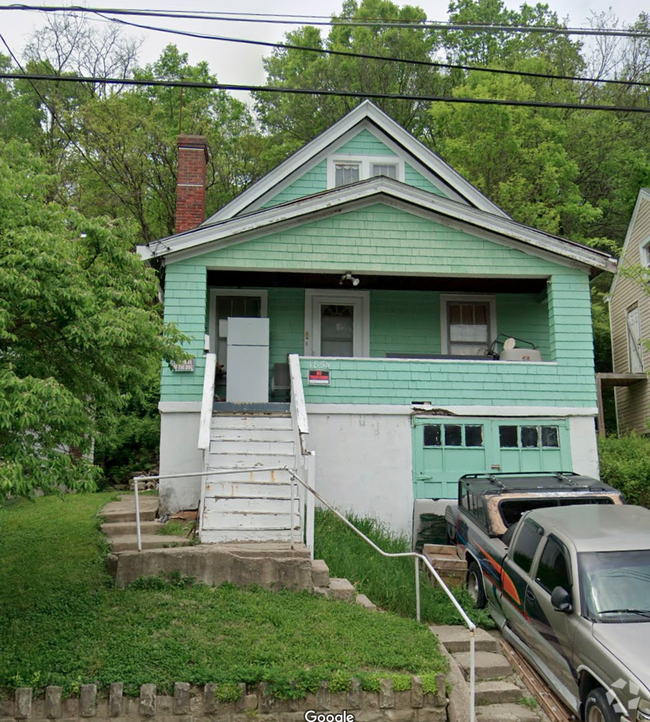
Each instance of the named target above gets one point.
<point>413,178</point>
<point>364,143</point>
<point>313,181</point>
<point>632,403</point>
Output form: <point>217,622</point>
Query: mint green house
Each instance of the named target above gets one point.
<point>367,278</point>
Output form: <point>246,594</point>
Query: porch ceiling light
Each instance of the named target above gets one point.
<point>349,277</point>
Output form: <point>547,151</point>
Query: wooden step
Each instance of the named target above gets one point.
<point>247,489</point>
<point>227,434</point>
<point>447,550</point>
<point>226,536</point>
<point>250,461</point>
<point>262,421</point>
<point>252,446</point>
<point>254,520</point>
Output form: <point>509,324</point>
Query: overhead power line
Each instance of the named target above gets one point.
<point>425,25</point>
<point>316,91</point>
<point>367,56</point>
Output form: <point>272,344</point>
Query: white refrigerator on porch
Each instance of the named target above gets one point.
<point>247,377</point>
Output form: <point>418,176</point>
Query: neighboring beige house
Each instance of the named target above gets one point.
<point>629,311</point>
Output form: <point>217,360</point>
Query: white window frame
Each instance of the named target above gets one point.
<point>365,163</point>
<point>644,253</point>
<point>445,299</point>
<point>631,354</point>
<point>212,311</point>
<point>361,302</point>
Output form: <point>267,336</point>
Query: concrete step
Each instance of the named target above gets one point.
<point>498,692</point>
<point>261,421</point>
<point>252,446</point>
<point>506,713</point>
<point>226,434</point>
<point>122,528</point>
<point>320,573</point>
<point>267,550</point>
<point>342,589</point>
<point>489,665</point>
<point>456,639</point>
<point>124,509</point>
<point>128,542</point>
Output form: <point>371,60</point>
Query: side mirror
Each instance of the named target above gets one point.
<point>561,600</point>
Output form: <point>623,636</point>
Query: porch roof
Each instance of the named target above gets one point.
<point>376,190</point>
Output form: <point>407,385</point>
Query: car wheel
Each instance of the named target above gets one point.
<point>597,708</point>
<point>475,586</point>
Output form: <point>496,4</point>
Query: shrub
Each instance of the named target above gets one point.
<point>625,464</point>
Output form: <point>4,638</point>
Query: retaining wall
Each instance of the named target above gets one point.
<point>200,703</point>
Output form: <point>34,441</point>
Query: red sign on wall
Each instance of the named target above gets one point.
<point>319,377</point>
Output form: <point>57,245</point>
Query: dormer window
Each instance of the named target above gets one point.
<point>343,170</point>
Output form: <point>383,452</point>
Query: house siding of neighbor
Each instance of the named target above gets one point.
<point>410,406</point>
<point>629,301</point>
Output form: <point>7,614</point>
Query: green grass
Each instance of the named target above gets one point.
<point>175,527</point>
<point>389,583</point>
<point>62,621</point>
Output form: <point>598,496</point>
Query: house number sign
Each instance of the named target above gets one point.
<point>183,366</point>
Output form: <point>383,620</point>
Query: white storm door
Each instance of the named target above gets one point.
<point>336,324</point>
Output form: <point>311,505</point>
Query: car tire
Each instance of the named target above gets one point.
<point>598,709</point>
<point>475,585</point>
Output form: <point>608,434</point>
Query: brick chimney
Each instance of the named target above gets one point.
<point>191,181</point>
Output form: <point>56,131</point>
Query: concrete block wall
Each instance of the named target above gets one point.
<point>202,703</point>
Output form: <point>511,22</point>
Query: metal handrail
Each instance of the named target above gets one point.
<point>415,555</point>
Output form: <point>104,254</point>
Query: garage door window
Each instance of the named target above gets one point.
<point>454,435</point>
<point>529,437</point>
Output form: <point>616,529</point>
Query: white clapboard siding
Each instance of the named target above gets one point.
<point>250,505</point>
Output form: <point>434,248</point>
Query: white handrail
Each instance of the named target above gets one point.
<point>207,400</point>
<point>298,394</point>
<point>415,555</point>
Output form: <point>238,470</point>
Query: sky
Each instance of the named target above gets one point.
<point>241,64</point>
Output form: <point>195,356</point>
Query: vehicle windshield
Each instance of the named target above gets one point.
<point>616,585</point>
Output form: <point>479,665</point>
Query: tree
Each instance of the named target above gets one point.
<point>297,119</point>
<point>80,330</point>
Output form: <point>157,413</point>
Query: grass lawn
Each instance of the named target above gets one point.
<point>390,583</point>
<point>62,621</point>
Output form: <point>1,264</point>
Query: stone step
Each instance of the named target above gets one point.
<point>342,589</point>
<point>506,713</point>
<point>456,639</point>
<point>124,528</point>
<point>497,692</point>
<point>129,542</point>
<point>320,573</point>
<point>489,665</point>
<point>124,509</point>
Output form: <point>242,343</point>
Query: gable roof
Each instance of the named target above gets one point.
<point>369,115</point>
<point>644,194</point>
<point>375,190</point>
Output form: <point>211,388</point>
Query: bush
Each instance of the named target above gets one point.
<point>625,464</point>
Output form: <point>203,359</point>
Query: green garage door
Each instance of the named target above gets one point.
<point>446,448</point>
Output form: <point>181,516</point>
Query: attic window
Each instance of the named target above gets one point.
<point>645,253</point>
<point>344,170</point>
<point>346,173</point>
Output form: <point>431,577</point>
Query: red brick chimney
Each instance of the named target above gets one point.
<point>191,181</point>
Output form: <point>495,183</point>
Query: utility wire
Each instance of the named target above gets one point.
<point>367,56</point>
<point>316,91</point>
<point>425,25</point>
<point>55,118</point>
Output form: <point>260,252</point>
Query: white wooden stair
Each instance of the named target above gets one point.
<point>245,505</point>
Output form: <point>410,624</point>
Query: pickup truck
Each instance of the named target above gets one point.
<point>572,592</point>
<point>489,507</point>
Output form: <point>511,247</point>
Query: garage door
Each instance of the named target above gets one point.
<point>446,448</point>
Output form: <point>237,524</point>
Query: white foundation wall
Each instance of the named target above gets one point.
<point>584,446</point>
<point>179,454</point>
<point>363,464</point>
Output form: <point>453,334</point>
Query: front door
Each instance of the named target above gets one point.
<point>336,324</point>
